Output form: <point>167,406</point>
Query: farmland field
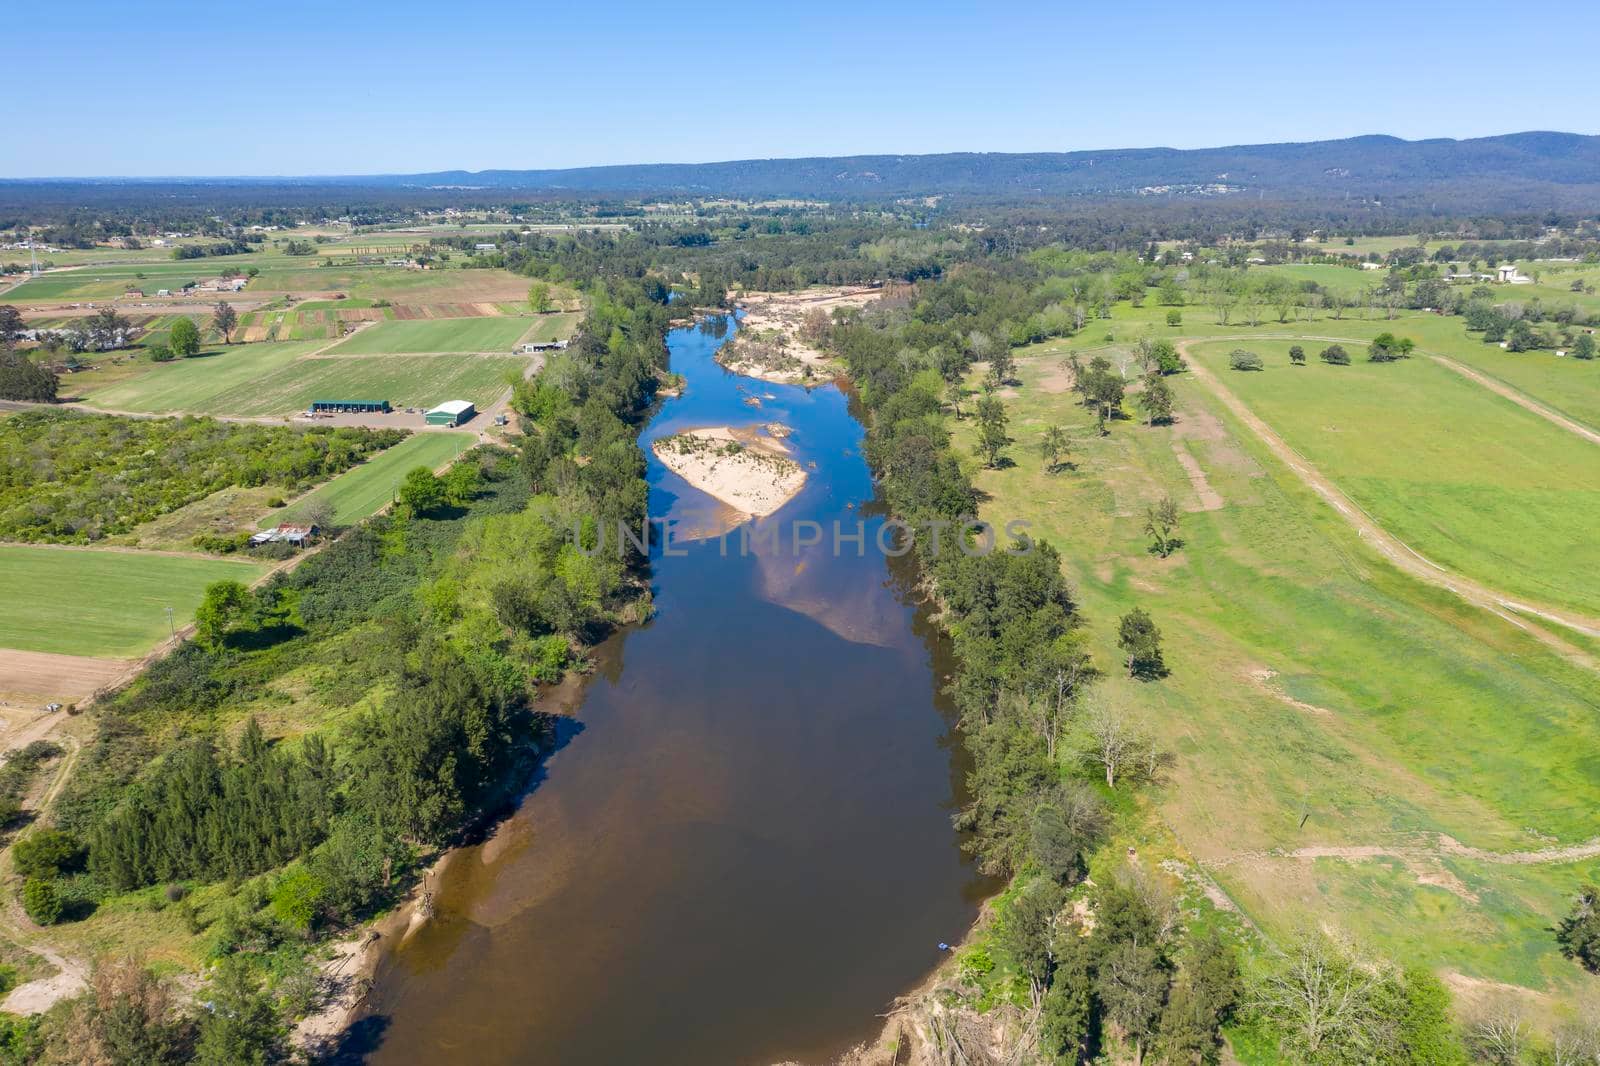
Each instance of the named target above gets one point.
<point>360,492</point>
<point>442,335</point>
<point>278,379</point>
<point>42,606</point>
<point>1462,476</point>
<point>1318,698</point>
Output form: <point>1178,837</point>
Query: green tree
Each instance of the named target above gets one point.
<point>1155,399</point>
<point>1024,932</point>
<point>1002,367</point>
<point>461,483</point>
<point>539,297</point>
<point>1335,355</point>
<point>992,438</point>
<point>1174,318</point>
<point>1067,1017</point>
<point>241,1026</point>
<point>1387,348</point>
<point>954,393</point>
<point>23,379</point>
<point>185,337</point>
<point>1131,983</point>
<point>1297,355</point>
<point>1166,357</point>
<point>159,353</point>
<point>1240,359</point>
<point>224,319</point>
<point>296,899</point>
<point>46,853</point>
<point>1578,934</point>
<point>41,900</point>
<point>1204,996</point>
<point>421,492</point>
<point>1161,526</point>
<point>1583,347</point>
<point>1140,642</point>
<point>1053,446</point>
<point>224,604</point>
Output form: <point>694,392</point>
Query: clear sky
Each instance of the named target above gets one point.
<point>237,87</point>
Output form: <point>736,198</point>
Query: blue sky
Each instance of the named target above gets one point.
<point>132,88</point>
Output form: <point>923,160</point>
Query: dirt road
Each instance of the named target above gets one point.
<point>1527,403</point>
<point>1385,543</point>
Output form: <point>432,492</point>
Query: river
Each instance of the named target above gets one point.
<point>742,849</point>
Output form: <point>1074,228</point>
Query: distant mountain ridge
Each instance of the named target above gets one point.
<point>1516,171</point>
<point>1366,165</point>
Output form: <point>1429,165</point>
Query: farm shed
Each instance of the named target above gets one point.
<point>350,407</point>
<point>450,413</point>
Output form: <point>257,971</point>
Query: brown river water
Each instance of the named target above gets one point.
<point>741,850</point>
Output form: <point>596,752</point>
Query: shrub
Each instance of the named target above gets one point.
<point>41,900</point>
<point>220,543</point>
<point>295,900</point>
<point>1174,318</point>
<point>1335,355</point>
<point>47,853</point>
<point>277,501</point>
<point>160,353</point>
<point>1239,359</point>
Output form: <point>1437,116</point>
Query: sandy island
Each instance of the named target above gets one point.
<point>748,472</point>
<point>771,343</point>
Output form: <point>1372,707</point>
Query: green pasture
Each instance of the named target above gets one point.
<point>436,335</point>
<point>43,606</point>
<point>1317,696</point>
<point>1464,477</point>
<point>266,379</point>
<point>363,490</point>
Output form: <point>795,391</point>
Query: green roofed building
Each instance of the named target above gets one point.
<point>450,413</point>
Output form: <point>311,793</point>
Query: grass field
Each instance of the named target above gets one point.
<point>43,606</point>
<point>1464,477</point>
<point>362,491</point>
<point>1317,696</point>
<point>442,335</point>
<point>277,379</point>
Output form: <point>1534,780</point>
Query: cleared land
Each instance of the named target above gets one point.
<point>43,606</point>
<point>442,335</point>
<point>361,492</point>
<point>1331,716</point>
<point>1462,476</point>
<point>259,380</point>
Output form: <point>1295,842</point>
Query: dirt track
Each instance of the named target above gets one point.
<point>1525,402</point>
<point>1385,543</point>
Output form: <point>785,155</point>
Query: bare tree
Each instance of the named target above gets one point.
<point>1118,744</point>
<point>1322,992</point>
<point>1499,1033</point>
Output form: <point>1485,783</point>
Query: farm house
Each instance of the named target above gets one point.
<point>450,413</point>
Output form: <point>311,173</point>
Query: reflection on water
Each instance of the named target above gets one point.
<point>742,850</point>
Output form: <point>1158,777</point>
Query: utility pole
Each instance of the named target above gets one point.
<point>172,630</point>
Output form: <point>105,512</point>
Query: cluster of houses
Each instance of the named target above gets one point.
<point>212,285</point>
<point>288,533</point>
